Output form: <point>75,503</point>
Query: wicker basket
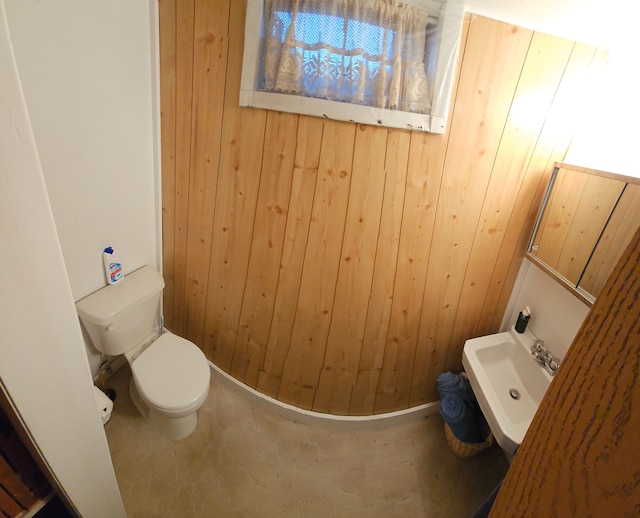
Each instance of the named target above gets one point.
<point>466,450</point>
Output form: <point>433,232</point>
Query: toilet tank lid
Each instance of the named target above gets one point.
<point>103,307</point>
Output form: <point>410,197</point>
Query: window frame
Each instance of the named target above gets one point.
<point>450,20</point>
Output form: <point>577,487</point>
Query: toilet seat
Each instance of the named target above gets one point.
<point>172,374</point>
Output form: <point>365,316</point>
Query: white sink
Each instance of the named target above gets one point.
<point>495,365</point>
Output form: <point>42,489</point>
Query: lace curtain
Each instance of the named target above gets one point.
<point>369,52</point>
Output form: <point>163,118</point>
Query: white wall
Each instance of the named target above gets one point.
<point>88,73</point>
<point>608,136</point>
<point>43,365</point>
<point>602,24</point>
<point>556,314</point>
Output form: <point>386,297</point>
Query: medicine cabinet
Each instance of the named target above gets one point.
<point>586,221</point>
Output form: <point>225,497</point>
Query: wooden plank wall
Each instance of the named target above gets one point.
<point>619,231</point>
<point>340,267</point>
<point>22,484</point>
<point>577,212</point>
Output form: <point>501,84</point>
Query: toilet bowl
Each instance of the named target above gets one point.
<point>170,375</point>
<point>169,383</point>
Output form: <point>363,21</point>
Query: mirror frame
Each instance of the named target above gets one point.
<point>576,290</point>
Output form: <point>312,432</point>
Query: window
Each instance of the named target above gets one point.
<point>370,61</point>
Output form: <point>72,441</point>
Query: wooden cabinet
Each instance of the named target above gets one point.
<point>22,484</point>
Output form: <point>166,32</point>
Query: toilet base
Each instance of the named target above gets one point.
<point>173,428</point>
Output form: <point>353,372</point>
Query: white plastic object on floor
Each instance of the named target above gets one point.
<point>104,404</point>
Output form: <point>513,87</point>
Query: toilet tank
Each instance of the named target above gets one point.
<point>119,316</point>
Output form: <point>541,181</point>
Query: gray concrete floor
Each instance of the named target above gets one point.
<point>245,461</point>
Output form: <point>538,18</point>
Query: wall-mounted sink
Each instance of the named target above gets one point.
<point>508,383</point>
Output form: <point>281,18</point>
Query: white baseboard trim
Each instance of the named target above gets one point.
<point>317,418</point>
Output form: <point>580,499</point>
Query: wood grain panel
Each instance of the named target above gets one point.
<point>597,202</point>
<point>8,505</point>
<point>243,133</point>
<point>266,247</point>
<point>570,227</point>
<point>418,217</point>
<point>580,455</point>
<point>381,339</point>
<point>210,58</point>
<point>309,139</point>
<point>433,226</point>
<point>355,276</point>
<point>556,224</point>
<point>168,109</point>
<point>553,142</point>
<point>14,485</point>
<point>484,98</point>
<point>21,480</point>
<point>322,258</point>
<point>541,74</point>
<point>620,229</point>
<point>185,13</point>
<point>382,289</point>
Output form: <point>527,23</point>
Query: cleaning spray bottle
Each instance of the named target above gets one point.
<point>112,266</point>
<point>523,319</point>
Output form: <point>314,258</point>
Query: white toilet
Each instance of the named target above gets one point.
<point>170,374</point>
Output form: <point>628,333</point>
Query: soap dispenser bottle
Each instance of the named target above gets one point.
<point>112,266</point>
<point>523,319</point>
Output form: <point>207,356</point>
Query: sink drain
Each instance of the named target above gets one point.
<point>514,394</point>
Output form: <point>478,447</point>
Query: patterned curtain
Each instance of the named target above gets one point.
<point>369,52</point>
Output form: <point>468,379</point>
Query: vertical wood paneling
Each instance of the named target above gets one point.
<point>309,139</point>
<point>541,74</point>
<point>22,483</point>
<point>484,98</point>
<point>210,56</point>
<point>596,203</point>
<point>620,229</point>
<point>185,12</point>
<point>243,133</point>
<point>382,289</point>
<point>574,220</point>
<point>167,18</point>
<point>553,141</point>
<point>339,267</point>
<point>555,225</point>
<point>355,276</point>
<point>420,202</point>
<point>266,247</point>
<point>322,258</point>
<point>590,413</point>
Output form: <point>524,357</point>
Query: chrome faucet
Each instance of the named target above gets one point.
<point>544,357</point>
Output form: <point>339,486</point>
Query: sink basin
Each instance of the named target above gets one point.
<point>508,383</point>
